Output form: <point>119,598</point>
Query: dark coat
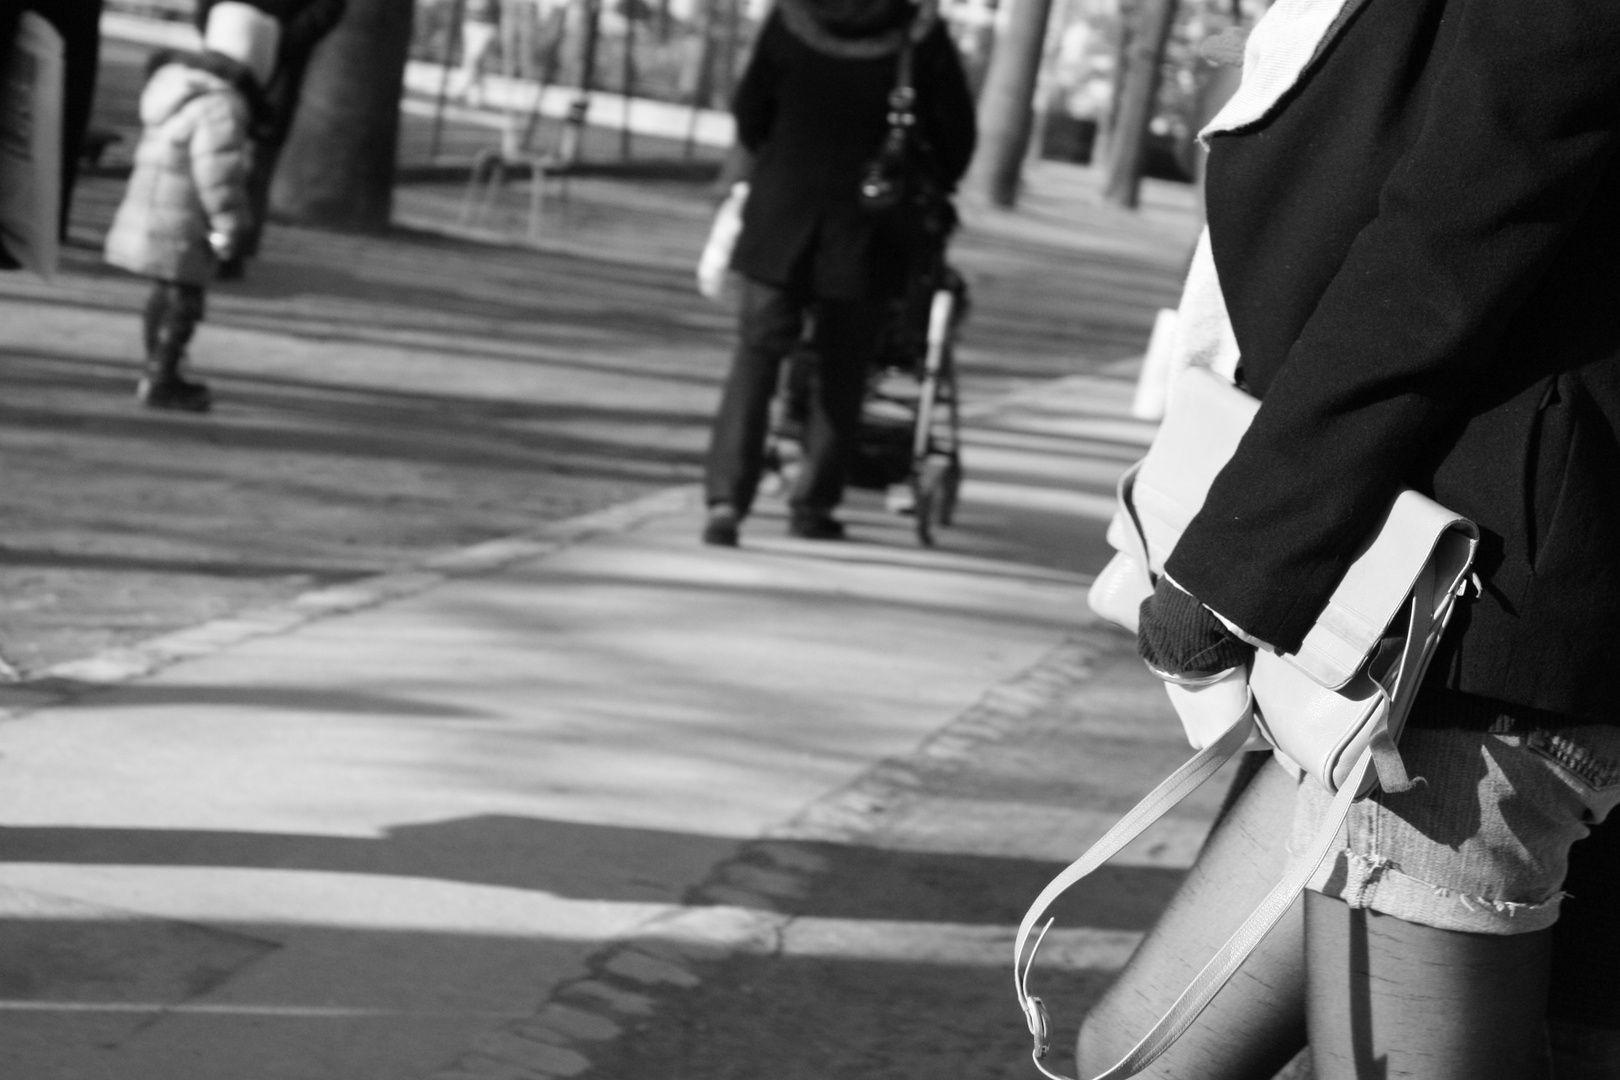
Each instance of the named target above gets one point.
<point>304,23</point>
<point>813,118</point>
<point>1420,254</point>
<point>79,23</point>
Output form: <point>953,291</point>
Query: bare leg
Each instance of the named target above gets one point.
<point>1257,1023</point>
<point>1392,999</point>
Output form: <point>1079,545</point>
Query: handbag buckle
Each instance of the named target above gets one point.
<point>902,107</point>
<point>1039,1025</point>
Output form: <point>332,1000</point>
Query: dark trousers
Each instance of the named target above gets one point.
<point>261,170</point>
<point>281,106</point>
<point>172,313</point>
<point>771,320</point>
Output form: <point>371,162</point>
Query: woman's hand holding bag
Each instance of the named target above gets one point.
<point>1335,707</point>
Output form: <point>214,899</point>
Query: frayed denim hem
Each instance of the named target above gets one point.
<point>1377,885</point>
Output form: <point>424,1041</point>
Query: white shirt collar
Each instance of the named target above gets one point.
<point>1284,44</point>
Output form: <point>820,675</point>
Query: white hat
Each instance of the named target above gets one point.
<point>246,34</point>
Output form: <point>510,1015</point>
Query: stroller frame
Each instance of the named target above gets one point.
<point>910,436</point>
<point>932,465</point>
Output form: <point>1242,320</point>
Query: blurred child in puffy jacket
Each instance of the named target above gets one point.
<point>187,204</point>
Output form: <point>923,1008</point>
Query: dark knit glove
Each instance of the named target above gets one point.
<point>1179,636</point>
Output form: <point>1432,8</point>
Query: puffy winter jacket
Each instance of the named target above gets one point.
<point>190,175</point>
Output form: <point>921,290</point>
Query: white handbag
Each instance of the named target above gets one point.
<point>1334,708</point>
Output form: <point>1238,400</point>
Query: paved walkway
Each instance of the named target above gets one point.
<point>398,828</point>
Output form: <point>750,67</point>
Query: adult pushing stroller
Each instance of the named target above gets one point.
<point>910,439</point>
<point>835,209</point>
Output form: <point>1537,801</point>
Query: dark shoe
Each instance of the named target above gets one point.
<point>231,269</point>
<point>173,392</point>
<point>720,530</point>
<point>815,525</point>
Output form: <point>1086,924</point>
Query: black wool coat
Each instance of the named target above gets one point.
<point>1420,254</point>
<point>812,119</point>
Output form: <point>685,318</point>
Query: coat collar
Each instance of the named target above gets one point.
<point>1286,42</point>
<point>801,21</point>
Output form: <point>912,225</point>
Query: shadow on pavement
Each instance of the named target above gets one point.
<point>600,862</point>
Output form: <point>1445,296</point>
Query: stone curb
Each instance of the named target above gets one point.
<point>71,680</point>
<point>736,910</point>
<point>850,813</point>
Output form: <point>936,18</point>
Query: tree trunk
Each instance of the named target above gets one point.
<point>338,167</point>
<point>1006,104</point>
<point>1141,92</point>
<point>699,74</point>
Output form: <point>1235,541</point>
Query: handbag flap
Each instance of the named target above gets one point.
<point>1378,582</point>
<point>1204,420</point>
<point>1203,424</point>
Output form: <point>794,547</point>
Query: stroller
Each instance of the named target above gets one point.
<point>910,438</point>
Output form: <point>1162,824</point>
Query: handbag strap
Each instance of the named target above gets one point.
<point>903,98</point>
<point>1429,615</point>
<point>1224,964</point>
<point>1176,787</point>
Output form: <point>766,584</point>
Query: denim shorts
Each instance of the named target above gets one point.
<point>1481,844</point>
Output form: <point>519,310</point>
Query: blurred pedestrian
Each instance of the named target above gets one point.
<point>187,205</point>
<point>79,24</point>
<point>480,24</point>
<point>304,23</point>
<point>813,110</point>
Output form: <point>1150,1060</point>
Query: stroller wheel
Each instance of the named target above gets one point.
<point>950,490</point>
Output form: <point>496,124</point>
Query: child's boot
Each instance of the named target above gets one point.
<point>163,387</point>
<point>169,324</point>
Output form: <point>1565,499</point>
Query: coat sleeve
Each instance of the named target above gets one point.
<point>946,104</point>
<point>306,26</point>
<point>1520,127</point>
<point>219,163</point>
<point>754,104</point>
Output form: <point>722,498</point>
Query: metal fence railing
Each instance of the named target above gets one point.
<point>657,72</point>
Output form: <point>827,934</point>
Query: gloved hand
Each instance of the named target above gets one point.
<point>1179,636</point>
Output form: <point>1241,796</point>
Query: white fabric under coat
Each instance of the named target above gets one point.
<point>1284,44</point>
